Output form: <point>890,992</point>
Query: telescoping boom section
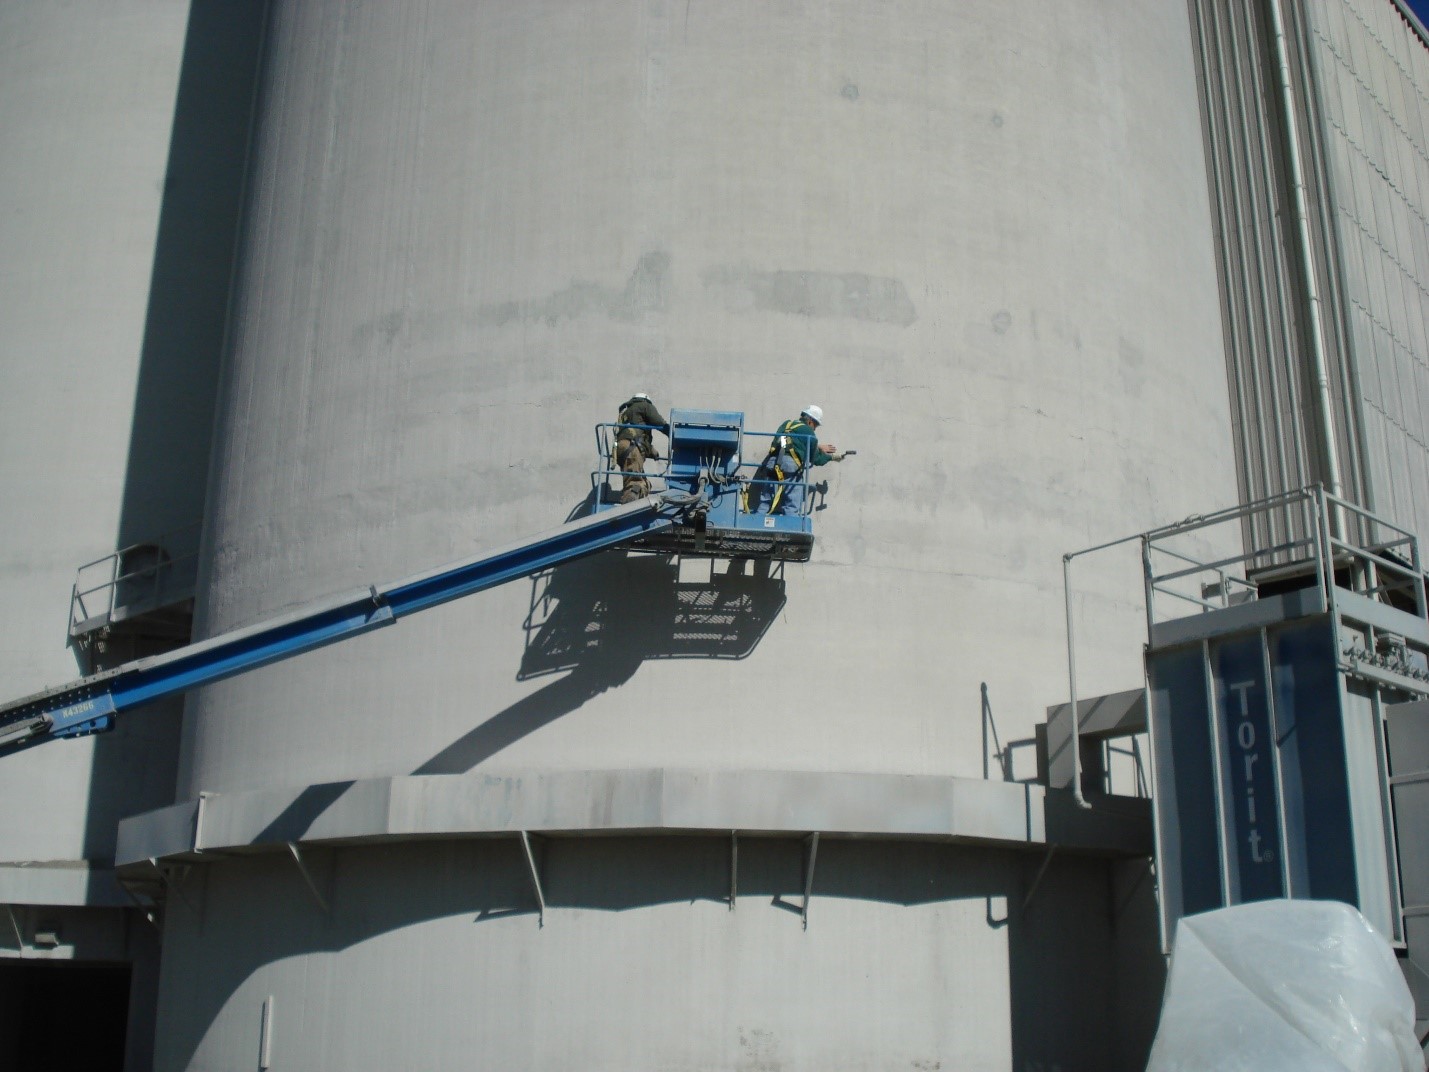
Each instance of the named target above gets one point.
<point>699,510</point>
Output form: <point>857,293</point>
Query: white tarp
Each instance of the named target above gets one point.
<point>1302,985</point>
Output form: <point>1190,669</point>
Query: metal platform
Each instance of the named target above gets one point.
<point>708,450</point>
<point>1269,675</point>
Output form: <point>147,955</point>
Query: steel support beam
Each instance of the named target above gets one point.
<point>811,855</point>
<point>535,878</point>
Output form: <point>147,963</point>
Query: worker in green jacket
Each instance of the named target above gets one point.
<point>779,480</point>
<point>634,444</point>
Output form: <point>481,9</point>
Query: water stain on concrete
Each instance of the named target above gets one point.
<point>758,1051</point>
<point>847,295</point>
<point>647,290</point>
<point>1133,367</point>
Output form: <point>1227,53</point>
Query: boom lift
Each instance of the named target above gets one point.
<point>696,511</point>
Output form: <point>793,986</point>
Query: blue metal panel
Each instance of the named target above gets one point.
<point>703,440</point>
<point>1319,833</point>
<point>1249,794</point>
<point>1186,814</point>
<point>1254,790</point>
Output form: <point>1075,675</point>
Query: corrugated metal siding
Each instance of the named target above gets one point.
<point>1279,445</point>
<point>1371,71</point>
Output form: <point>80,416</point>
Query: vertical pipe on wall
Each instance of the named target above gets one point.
<point>1213,113</point>
<point>1307,256</point>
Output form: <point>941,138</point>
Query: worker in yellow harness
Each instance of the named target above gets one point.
<point>779,478</point>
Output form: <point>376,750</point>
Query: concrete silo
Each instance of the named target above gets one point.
<point>977,235</point>
<point>120,192</point>
<point>640,810</point>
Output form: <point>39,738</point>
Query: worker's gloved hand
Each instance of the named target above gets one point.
<point>837,455</point>
<point>653,454</point>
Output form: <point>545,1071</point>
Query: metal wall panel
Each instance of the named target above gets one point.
<point>1270,776</point>
<point>1319,833</point>
<point>1249,791</point>
<point>1188,816</point>
<point>1279,420</point>
<point>1372,81</point>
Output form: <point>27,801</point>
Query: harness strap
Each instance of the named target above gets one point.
<point>784,442</point>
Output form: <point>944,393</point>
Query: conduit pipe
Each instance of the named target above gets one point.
<point>1307,261</point>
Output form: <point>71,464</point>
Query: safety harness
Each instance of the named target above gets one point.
<point>782,443</point>
<point>628,436</point>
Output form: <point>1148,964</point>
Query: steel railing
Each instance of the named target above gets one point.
<point>609,474</point>
<point>134,580</point>
<point>1344,546</point>
<point>1370,556</point>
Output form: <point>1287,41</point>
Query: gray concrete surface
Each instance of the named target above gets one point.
<point>456,265</point>
<point>87,97</point>
<point>761,803</point>
<point>978,236</point>
<point>436,949</point>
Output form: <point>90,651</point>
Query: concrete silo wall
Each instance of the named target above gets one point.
<point>977,235</point>
<point>978,239</point>
<point>915,956</point>
<point>87,94</point>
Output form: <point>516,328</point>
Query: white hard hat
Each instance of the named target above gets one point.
<point>641,394</point>
<point>814,412</point>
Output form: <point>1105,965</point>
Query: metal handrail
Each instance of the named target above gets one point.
<point>1156,583</point>
<point>605,449</point>
<point>179,549</point>
<point>1364,514</point>
<point>1202,567</point>
<point>1365,553</point>
<point>1327,551</point>
<point>1324,547</point>
<point>1200,601</point>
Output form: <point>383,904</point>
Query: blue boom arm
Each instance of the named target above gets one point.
<point>90,704</point>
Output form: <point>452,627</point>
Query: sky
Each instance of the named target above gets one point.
<point>1421,8</point>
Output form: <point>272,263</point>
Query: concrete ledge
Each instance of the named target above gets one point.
<point>638,801</point>
<point>77,883</point>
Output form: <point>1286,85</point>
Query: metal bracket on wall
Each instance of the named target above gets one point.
<point>733,867</point>
<point>265,1034</point>
<point>15,923</point>
<point>173,876</point>
<point>198,819</point>
<point>307,877</point>
<point>1037,881</point>
<point>150,911</point>
<point>535,879</point>
<point>811,854</point>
